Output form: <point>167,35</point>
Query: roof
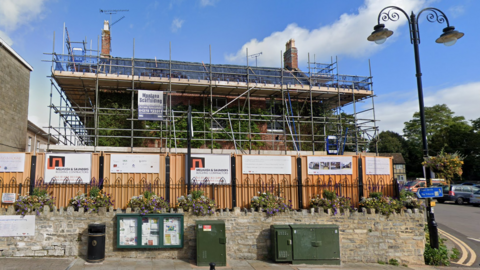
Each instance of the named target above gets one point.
<point>397,157</point>
<point>39,131</point>
<point>14,53</point>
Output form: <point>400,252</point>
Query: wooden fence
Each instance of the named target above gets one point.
<point>221,193</point>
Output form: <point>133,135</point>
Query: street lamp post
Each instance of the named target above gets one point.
<point>448,38</point>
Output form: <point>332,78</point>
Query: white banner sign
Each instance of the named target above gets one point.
<point>135,163</point>
<point>9,197</point>
<point>12,162</point>
<point>376,165</point>
<point>71,166</point>
<point>213,167</point>
<point>329,165</point>
<point>266,164</point>
<point>150,105</point>
<point>17,225</point>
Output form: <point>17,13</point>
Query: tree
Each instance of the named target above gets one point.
<point>436,118</point>
<point>388,142</point>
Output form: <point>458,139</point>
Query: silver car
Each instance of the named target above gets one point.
<point>475,198</point>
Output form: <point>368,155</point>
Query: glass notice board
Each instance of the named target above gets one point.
<point>150,231</point>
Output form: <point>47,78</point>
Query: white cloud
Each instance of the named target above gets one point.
<point>456,11</point>
<point>176,24</point>
<point>15,13</point>
<point>461,99</point>
<point>6,38</point>
<point>346,36</point>
<point>205,3</point>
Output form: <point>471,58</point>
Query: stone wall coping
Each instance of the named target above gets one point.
<point>237,211</point>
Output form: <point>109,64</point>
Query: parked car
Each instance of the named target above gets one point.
<point>475,198</point>
<point>420,183</point>
<point>457,193</point>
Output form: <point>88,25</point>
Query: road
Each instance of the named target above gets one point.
<point>462,222</point>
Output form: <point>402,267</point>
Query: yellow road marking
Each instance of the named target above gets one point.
<point>464,248</point>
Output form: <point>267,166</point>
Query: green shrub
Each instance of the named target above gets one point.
<point>329,195</point>
<point>329,201</point>
<point>148,203</point>
<point>393,262</point>
<point>375,195</point>
<point>270,203</point>
<point>200,205</point>
<point>438,256</point>
<point>383,205</point>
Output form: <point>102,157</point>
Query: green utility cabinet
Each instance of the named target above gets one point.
<point>150,231</point>
<point>211,242</point>
<point>281,241</point>
<point>306,243</point>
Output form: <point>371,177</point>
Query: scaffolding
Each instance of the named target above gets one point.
<point>241,107</point>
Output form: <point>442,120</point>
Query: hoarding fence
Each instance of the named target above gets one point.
<point>240,192</point>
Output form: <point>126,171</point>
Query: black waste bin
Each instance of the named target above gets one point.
<point>96,243</point>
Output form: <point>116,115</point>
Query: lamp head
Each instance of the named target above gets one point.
<point>449,36</point>
<point>380,34</point>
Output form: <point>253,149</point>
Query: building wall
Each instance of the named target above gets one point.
<point>14,87</point>
<point>364,236</point>
<point>35,138</point>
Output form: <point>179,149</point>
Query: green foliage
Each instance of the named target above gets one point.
<point>440,256</point>
<point>388,142</point>
<point>39,192</point>
<point>148,203</point>
<point>381,262</point>
<point>406,194</point>
<point>445,165</point>
<point>393,262</point>
<point>331,201</point>
<point>200,205</point>
<point>329,195</point>
<point>270,203</point>
<point>36,202</point>
<point>375,195</point>
<point>91,203</point>
<point>383,205</point>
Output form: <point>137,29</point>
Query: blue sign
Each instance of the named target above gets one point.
<point>430,192</point>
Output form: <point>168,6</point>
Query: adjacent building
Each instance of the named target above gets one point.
<point>14,93</point>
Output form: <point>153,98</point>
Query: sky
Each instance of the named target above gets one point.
<point>324,29</point>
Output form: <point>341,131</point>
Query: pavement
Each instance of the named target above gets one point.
<point>147,264</point>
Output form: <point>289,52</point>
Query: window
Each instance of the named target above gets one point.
<point>29,145</point>
<point>275,123</point>
<point>219,102</point>
<point>219,124</point>
<point>38,146</point>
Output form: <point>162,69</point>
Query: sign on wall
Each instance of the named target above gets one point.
<point>214,167</point>
<point>12,162</point>
<point>68,166</point>
<point>9,197</point>
<point>375,165</point>
<point>134,163</point>
<point>266,164</point>
<point>150,105</point>
<point>329,165</point>
<point>17,225</point>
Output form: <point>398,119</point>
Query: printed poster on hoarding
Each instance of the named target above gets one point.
<point>376,165</point>
<point>252,164</point>
<point>150,105</point>
<point>329,165</point>
<point>17,225</point>
<point>12,162</point>
<point>134,163</point>
<point>214,167</point>
<point>68,166</point>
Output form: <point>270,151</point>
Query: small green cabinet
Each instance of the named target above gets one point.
<point>281,239</point>
<point>211,242</point>
<point>305,243</point>
<point>150,231</point>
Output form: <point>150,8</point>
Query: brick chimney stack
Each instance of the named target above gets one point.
<point>290,57</point>
<point>106,40</point>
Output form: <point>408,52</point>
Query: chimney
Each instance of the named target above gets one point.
<point>290,57</point>
<point>106,40</point>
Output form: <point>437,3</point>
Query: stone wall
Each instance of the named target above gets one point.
<point>364,236</point>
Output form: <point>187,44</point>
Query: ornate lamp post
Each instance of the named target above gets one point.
<point>448,38</point>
